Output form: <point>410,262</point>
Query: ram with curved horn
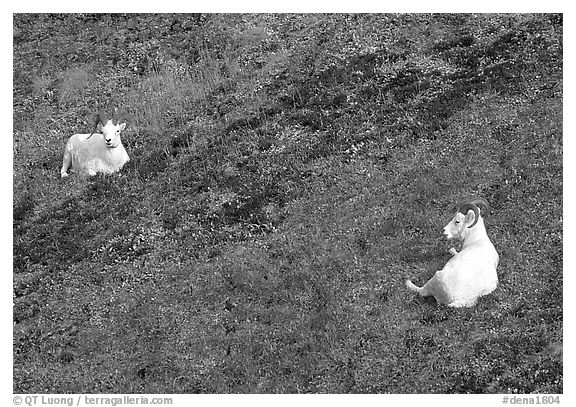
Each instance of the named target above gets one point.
<point>105,153</point>
<point>470,273</point>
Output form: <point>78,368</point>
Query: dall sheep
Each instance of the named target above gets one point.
<point>470,273</point>
<point>102,153</point>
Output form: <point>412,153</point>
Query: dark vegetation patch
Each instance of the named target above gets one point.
<point>287,173</point>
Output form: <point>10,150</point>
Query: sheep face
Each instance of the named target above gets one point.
<point>459,225</point>
<point>111,133</point>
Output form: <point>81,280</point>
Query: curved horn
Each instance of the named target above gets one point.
<point>466,207</point>
<point>122,116</point>
<point>117,116</point>
<point>98,120</point>
<point>481,202</point>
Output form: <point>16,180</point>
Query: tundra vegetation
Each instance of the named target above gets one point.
<point>287,173</point>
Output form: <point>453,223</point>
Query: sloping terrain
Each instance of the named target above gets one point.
<point>287,173</point>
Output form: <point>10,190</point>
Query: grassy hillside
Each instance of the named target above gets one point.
<point>288,172</point>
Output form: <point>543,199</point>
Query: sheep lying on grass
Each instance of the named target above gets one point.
<point>93,153</point>
<point>470,273</point>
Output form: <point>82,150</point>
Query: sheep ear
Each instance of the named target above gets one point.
<point>122,126</point>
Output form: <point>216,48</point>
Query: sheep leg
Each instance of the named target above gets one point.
<point>466,303</point>
<point>66,161</point>
<point>422,291</point>
<point>434,287</point>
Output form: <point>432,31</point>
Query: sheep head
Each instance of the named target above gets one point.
<point>111,128</point>
<point>466,217</point>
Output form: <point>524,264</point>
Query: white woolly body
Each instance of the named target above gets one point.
<point>469,274</point>
<point>89,156</point>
